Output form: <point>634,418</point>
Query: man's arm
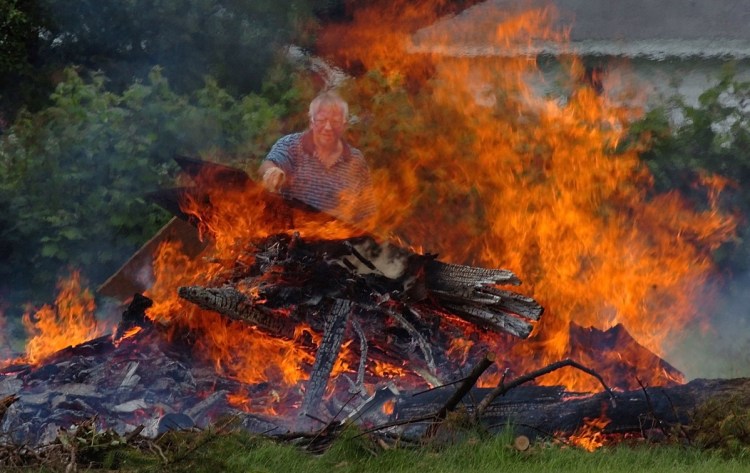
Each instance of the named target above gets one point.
<point>271,173</point>
<point>272,176</point>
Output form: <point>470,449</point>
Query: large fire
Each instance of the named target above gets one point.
<point>470,162</point>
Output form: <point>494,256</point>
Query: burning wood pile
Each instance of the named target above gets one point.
<point>142,381</point>
<point>335,289</point>
<point>377,326</point>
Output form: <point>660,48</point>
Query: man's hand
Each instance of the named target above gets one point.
<point>273,178</point>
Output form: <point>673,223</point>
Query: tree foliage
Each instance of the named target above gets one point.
<point>73,176</point>
<point>232,41</point>
<point>22,23</point>
<point>683,144</point>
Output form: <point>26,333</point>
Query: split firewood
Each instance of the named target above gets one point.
<point>326,354</point>
<point>396,311</point>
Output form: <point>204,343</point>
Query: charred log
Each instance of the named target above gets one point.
<point>233,304</point>
<point>540,411</point>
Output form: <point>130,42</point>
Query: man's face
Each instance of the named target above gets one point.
<point>328,124</point>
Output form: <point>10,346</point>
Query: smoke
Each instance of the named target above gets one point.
<point>719,347</point>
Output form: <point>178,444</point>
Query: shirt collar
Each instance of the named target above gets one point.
<point>308,145</point>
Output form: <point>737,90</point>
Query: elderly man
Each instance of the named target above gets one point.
<point>319,168</point>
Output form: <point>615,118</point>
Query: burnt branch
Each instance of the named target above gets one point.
<point>419,340</point>
<point>462,391</point>
<point>503,388</point>
<point>358,386</point>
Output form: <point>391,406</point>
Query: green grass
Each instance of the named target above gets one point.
<point>238,452</point>
<point>456,448</point>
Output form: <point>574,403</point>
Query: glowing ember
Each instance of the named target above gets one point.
<point>388,407</point>
<point>70,322</point>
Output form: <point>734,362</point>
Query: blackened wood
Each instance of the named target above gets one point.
<point>237,306</point>
<point>471,293</point>
<point>493,320</point>
<point>549,410</point>
<point>421,342</point>
<point>325,357</point>
<point>464,279</point>
<point>360,380</point>
<point>134,315</point>
<point>514,303</point>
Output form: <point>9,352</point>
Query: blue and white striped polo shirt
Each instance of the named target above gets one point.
<point>344,190</point>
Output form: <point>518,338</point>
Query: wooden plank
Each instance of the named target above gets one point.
<point>136,274</point>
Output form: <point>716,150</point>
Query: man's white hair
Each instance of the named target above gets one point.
<point>329,98</point>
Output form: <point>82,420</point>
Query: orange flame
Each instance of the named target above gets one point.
<point>70,322</point>
<point>130,333</point>
<point>590,435</point>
